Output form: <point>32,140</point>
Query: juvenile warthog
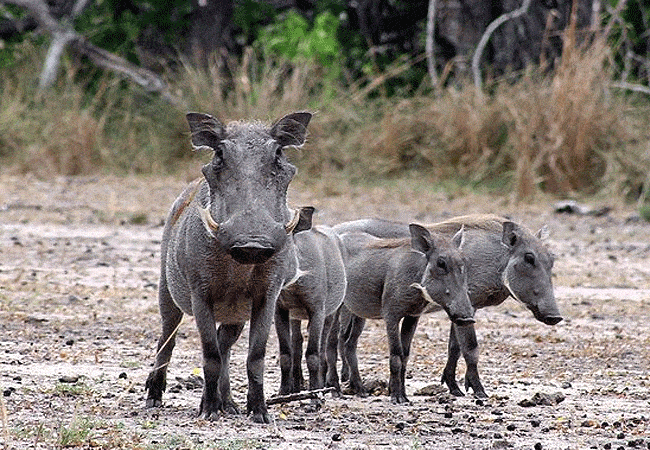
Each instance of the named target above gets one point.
<point>503,259</point>
<point>315,295</point>
<point>399,280</point>
<point>227,250</point>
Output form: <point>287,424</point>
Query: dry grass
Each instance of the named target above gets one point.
<point>562,133</point>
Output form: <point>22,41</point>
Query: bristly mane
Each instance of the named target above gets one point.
<point>486,222</point>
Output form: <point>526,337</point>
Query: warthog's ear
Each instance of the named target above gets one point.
<point>207,131</point>
<point>304,222</point>
<point>291,129</point>
<point>543,233</point>
<point>509,237</point>
<point>421,240</point>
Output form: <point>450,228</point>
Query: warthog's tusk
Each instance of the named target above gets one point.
<point>293,223</point>
<point>208,222</point>
<point>506,283</point>
<point>424,292</point>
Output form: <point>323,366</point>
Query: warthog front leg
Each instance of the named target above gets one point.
<point>211,403</point>
<point>171,318</point>
<point>399,343</point>
<point>227,335</point>
<point>261,318</point>
<point>296,355</point>
<point>462,339</point>
<point>312,355</point>
<point>331,354</point>
<point>349,354</point>
<point>282,329</point>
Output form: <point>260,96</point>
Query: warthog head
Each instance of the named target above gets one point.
<point>528,273</point>
<point>248,178</point>
<point>445,278</point>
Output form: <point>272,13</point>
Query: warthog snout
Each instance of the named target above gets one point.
<point>251,251</point>
<point>551,320</point>
<point>461,321</point>
<point>551,317</point>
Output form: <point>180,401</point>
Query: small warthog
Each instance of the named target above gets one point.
<point>503,259</point>
<point>314,295</point>
<point>227,250</point>
<point>398,280</point>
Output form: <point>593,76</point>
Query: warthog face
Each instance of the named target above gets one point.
<point>445,278</point>
<point>248,178</point>
<point>528,273</point>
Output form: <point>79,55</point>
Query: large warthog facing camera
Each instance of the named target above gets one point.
<point>227,251</point>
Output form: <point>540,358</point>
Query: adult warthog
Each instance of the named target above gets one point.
<point>227,250</point>
<point>398,280</point>
<point>503,259</point>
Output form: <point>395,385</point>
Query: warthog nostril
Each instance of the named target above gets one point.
<point>251,253</point>
<point>552,320</point>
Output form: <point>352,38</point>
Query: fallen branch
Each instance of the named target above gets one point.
<point>305,395</point>
<point>496,23</point>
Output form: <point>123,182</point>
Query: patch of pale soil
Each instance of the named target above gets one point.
<point>79,322</point>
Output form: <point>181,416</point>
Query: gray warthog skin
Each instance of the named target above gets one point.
<point>227,250</point>
<point>397,281</point>
<point>503,259</point>
<point>315,295</point>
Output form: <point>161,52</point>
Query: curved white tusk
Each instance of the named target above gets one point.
<point>293,223</point>
<point>424,292</point>
<point>208,222</point>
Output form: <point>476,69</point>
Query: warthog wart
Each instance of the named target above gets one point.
<point>503,259</point>
<point>227,251</point>
<point>398,280</point>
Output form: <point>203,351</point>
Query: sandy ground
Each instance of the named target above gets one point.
<point>79,322</point>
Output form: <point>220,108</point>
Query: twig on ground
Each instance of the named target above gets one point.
<point>305,395</point>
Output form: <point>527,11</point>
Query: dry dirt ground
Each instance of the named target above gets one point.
<point>79,323</point>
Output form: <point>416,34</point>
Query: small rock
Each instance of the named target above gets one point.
<point>336,437</point>
<point>543,399</point>
<point>535,423</point>
<point>538,446</point>
<point>511,427</point>
<point>69,379</point>
<point>122,376</point>
<point>431,390</point>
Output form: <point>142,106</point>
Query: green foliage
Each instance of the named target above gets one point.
<point>629,38</point>
<point>294,39</point>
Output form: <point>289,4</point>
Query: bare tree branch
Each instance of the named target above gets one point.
<point>64,35</point>
<point>496,23</point>
<point>631,87</point>
<point>431,28</point>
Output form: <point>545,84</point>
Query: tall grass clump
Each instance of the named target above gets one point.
<point>561,133</point>
<point>85,124</point>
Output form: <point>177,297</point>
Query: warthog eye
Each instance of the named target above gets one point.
<point>529,258</point>
<point>442,264</point>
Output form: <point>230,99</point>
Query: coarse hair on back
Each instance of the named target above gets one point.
<point>486,222</point>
